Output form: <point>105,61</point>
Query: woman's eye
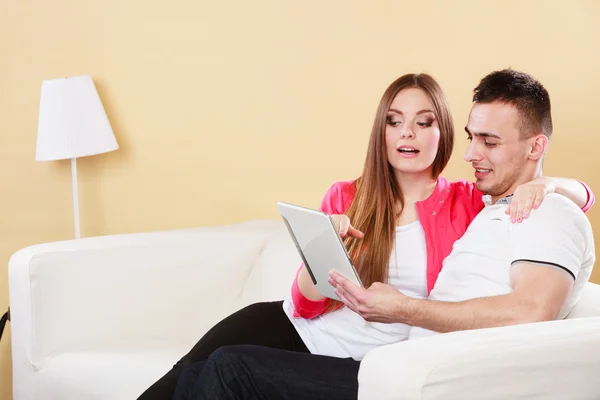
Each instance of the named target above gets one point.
<point>393,124</point>
<point>469,138</point>
<point>425,124</point>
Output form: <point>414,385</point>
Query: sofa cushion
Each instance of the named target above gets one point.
<point>103,375</point>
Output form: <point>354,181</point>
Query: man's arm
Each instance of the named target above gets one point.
<point>538,295</point>
<point>549,251</point>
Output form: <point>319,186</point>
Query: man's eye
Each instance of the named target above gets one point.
<point>469,138</point>
<point>488,144</point>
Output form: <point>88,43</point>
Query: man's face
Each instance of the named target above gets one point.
<point>496,151</point>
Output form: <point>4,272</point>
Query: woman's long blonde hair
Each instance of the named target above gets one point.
<point>379,201</point>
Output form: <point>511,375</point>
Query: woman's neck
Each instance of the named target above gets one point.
<point>416,187</point>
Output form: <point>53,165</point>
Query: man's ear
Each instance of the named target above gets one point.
<point>539,146</point>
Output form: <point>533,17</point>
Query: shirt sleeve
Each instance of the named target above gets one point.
<point>556,235</point>
<point>335,201</point>
<point>591,199</point>
<point>303,306</point>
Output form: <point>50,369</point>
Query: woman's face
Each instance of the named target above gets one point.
<point>412,133</point>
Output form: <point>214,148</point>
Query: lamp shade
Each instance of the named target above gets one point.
<point>72,122</point>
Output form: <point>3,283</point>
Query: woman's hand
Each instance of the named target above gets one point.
<point>343,226</point>
<point>529,196</point>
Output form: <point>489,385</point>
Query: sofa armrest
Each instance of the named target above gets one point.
<point>549,360</point>
<point>121,291</point>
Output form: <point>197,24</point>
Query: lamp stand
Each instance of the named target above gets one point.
<point>75,197</point>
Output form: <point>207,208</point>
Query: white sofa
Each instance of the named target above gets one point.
<point>104,317</point>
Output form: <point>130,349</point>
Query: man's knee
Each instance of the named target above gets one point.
<point>232,365</point>
<point>191,371</point>
<point>224,375</point>
<point>225,360</point>
<point>186,382</point>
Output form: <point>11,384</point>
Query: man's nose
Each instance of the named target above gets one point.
<point>472,153</point>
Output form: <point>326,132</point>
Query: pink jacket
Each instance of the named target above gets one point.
<point>444,215</point>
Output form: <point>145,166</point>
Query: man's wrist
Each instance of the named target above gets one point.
<point>406,311</point>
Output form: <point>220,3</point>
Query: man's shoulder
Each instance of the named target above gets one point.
<point>560,211</point>
<point>557,205</point>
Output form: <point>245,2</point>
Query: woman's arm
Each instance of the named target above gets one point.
<point>530,195</point>
<point>308,303</point>
<point>576,190</point>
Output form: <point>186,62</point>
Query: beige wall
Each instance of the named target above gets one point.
<point>223,108</point>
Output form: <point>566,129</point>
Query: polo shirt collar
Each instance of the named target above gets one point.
<point>487,200</point>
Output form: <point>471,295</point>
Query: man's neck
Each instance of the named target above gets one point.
<point>524,178</point>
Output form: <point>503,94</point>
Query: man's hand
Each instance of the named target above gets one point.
<point>529,196</point>
<point>379,303</point>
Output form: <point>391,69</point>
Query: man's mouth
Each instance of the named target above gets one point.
<point>481,173</point>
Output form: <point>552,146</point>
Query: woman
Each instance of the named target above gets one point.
<point>410,217</point>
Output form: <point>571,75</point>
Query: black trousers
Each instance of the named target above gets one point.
<point>262,324</point>
<point>246,372</point>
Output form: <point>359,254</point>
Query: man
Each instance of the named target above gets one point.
<point>498,273</point>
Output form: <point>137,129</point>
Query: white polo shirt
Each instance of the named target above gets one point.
<point>556,235</point>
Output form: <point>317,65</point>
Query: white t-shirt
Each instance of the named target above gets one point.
<point>343,333</point>
<point>557,235</point>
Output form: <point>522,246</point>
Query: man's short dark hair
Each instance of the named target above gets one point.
<point>523,91</point>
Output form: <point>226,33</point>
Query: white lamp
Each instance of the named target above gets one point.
<point>72,123</point>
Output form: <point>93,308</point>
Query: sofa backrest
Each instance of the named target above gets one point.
<point>274,270</point>
<point>589,303</point>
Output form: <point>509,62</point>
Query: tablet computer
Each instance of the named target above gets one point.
<point>319,244</point>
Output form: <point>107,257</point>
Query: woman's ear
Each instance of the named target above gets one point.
<point>539,146</point>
